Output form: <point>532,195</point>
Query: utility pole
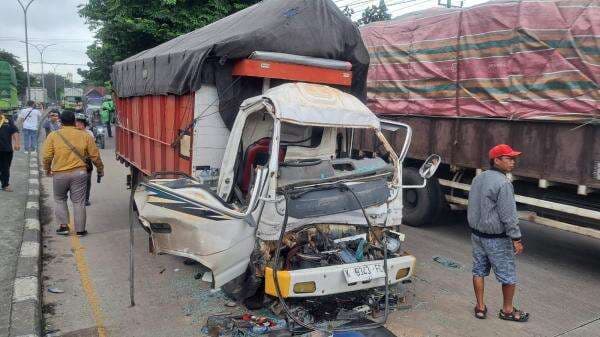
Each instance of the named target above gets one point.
<point>54,73</point>
<point>25,7</point>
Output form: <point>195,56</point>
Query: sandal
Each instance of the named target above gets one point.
<point>523,316</point>
<point>481,314</point>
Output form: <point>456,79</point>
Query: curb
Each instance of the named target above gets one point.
<point>26,313</point>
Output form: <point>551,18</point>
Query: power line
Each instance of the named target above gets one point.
<point>359,6</point>
<point>39,39</point>
<point>62,63</point>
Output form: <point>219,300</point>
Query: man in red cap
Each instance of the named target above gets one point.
<point>495,233</point>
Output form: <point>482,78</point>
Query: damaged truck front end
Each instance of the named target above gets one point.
<point>298,214</point>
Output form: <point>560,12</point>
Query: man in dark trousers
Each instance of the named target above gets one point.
<point>9,142</point>
<point>495,232</point>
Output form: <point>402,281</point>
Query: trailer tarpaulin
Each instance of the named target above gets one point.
<point>502,59</point>
<point>315,28</point>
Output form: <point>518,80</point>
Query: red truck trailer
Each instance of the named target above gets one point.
<point>518,72</point>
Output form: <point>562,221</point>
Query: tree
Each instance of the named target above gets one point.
<point>61,82</point>
<point>126,27</point>
<point>21,75</point>
<point>375,13</point>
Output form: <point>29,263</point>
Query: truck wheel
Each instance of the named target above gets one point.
<point>421,205</point>
<point>246,288</point>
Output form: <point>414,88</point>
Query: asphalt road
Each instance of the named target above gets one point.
<point>559,280</point>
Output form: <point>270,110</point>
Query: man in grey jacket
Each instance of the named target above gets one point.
<point>495,233</point>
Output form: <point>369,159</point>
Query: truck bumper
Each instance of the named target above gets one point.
<point>329,280</point>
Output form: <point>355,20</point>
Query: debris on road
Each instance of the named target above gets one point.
<point>242,325</point>
<point>55,290</point>
<point>448,263</point>
<point>162,270</point>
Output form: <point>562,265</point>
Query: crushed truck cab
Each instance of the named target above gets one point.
<point>296,212</point>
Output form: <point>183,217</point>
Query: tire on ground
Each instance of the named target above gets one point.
<point>246,288</point>
<point>421,205</point>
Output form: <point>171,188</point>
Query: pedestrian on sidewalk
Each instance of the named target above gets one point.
<point>29,118</point>
<point>52,123</point>
<point>64,156</point>
<point>107,115</point>
<point>81,122</point>
<point>9,142</point>
<point>495,232</point>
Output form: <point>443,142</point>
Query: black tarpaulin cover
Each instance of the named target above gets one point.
<point>315,28</point>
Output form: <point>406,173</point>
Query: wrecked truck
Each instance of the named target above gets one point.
<point>241,141</point>
<point>292,214</point>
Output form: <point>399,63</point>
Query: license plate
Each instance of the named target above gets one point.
<point>366,272</point>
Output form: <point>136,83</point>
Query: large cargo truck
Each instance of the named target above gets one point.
<point>9,101</point>
<point>525,73</point>
<point>38,94</point>
<point>73,99</point>
<point>241,159</point>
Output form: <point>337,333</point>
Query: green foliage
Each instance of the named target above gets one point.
<point>61,82</point>
<point>375,13</point>
<point>126,27</point>
<point>13,60</point>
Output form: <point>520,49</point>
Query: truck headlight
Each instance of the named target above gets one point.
<point>305,287</point>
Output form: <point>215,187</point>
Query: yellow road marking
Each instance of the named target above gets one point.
<point>86,282</point>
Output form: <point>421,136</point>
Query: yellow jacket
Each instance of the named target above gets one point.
<point>59,157</point>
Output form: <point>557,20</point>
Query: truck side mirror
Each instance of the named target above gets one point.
<point>430,165</point>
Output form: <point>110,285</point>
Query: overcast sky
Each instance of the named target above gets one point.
<point>57,21</point>
<point>49,21</point>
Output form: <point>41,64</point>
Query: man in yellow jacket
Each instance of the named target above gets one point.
<point>66,155</point>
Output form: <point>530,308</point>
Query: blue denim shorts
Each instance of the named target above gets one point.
<point>497,254</point>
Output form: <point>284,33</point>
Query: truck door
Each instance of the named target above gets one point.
<point>186,218</point>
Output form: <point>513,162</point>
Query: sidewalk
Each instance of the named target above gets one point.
<point>20,248</point>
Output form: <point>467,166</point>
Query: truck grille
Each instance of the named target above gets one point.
<point>596,170</point>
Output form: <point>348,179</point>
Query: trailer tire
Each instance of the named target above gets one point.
<point>421,206</point>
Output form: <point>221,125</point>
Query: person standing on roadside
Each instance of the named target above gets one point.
<point>30,118</point>
<point>107,114</point>
<point>495,232</point>
<point>81,123</point>
<point>64,158</point>
<point>9,142</point>
<point>52,123</point>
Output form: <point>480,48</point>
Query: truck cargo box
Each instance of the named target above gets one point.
<point>176,102</point>
<point>502,59</point>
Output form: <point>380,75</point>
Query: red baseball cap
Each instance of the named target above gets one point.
<point>502,150</point>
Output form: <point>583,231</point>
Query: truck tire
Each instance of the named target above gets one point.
<point>246,288</point>
<point>421,205</point>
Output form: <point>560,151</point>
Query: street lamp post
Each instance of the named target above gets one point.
<point>41,48</point>
<point>25,7</point>
<point>41,51</point>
